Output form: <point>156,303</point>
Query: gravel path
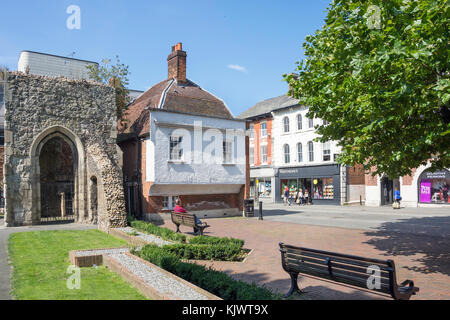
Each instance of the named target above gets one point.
<point>85,253</point>
<point>158,280</point>
<point>147,237</point>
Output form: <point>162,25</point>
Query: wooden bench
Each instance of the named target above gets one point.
<point>187,219</point>
<point>360,272</point>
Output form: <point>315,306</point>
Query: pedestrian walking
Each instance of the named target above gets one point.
<point>300,197</point>
<point>397,199</point>
<point>286,196</point>
<point>306,196</point>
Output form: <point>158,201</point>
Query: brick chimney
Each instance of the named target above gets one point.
<point>176,62</point>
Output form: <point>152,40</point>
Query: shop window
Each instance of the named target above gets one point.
<point>299,122</point>
<point>433,187</point>
<point>323,188</point>
<point>176,148</point>
<point>311,151</point>
<point>300,152</point>
<point>287,154</point>
<point>326,151</point>
<point>263,154</point>
<point>285,124</point>
<point>264,187</point>
<point>292,185</point>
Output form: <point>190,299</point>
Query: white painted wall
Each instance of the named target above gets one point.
<point>160,170</point>
<point>53,66</point>
<point>295,136</point>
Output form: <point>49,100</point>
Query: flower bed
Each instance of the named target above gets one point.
<point>216,282</point>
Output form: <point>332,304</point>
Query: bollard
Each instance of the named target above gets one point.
<point>260,211</point>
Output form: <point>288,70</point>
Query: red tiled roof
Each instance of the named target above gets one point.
<point>185,97</point>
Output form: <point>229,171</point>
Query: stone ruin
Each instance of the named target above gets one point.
<point>61,158</point>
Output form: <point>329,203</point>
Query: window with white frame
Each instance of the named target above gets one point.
<point>176,148</point>
<point>299,152</point>
<point>169,202</point>
<point>287,154</point>
<point>311,151</point>
<point>299,122</point>
<point>263,153</point>
<point>285,124</point>
<point>311,123</point>
<point>251,155</point>
<point>326,151</point>
<point>263,129</point>
<point>227,151</point>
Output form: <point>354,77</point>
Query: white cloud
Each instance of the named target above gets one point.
<point>237,67</point>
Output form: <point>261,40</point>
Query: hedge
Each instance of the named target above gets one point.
<point>164,233</point>
<point>216,282</point>
<point>220,252</point>
<point>216,241</point>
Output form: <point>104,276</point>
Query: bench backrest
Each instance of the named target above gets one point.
<point>185,219</point>
<point>373,274</point>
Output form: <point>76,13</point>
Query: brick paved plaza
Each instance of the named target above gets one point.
<point>419,254</point>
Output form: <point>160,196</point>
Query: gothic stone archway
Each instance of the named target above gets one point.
<point>57,160</point>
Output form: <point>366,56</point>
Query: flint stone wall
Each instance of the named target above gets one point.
<point>82,112</point>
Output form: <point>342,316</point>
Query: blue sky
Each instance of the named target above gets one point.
<point>237,50</point>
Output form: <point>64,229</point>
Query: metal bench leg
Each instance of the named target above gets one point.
<point>178,228</point>
<point>294,285</point>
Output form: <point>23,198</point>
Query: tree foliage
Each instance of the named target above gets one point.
<point>381,84</point>
<point>115,75</point>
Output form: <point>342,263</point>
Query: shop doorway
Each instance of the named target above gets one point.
<point>387,191</point>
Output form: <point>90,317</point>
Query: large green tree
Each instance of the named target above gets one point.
<point>378,73</point>
<point>115,75</point>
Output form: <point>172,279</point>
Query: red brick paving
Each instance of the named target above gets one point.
<point>263,266</point>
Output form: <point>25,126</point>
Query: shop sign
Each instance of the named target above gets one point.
<point>444,174</point>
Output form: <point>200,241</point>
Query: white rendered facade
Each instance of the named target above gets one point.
<point>193,173</point>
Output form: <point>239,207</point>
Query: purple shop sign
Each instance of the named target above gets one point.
<point>425,191</point>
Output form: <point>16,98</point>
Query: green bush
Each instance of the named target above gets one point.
<point>220,252</point>
<point>216,282</point>
<point>164,233</point>
<point>216,241</point>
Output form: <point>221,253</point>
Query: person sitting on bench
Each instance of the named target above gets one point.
<point>179,209</point>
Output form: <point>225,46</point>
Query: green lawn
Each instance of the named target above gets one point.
<point>40,260</point>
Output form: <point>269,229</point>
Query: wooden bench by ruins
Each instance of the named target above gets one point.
<point>359,272</point>
<point>187,219</point>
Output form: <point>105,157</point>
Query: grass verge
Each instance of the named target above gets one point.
<point>40,261</point>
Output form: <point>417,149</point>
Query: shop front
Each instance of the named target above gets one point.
<point>261,181</point>
<point>433,187</point>
<point>321,182</point>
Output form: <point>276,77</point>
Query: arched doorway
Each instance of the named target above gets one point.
<point>57,171</point>
<point>39,150</point>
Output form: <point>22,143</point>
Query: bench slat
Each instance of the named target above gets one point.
<point>337,265</point>
<point>322,272</point>
<point>342,272</point>
<point>334,254</point>
<point>361,263</point>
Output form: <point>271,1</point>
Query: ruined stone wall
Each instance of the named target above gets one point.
<point>81,111</point>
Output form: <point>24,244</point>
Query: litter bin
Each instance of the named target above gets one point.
<point>249,207</point>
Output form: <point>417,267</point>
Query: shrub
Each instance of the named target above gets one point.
<point>213,281</point>
<point>216,241</point>
<point>164,233</point>
<point>229,252</point>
